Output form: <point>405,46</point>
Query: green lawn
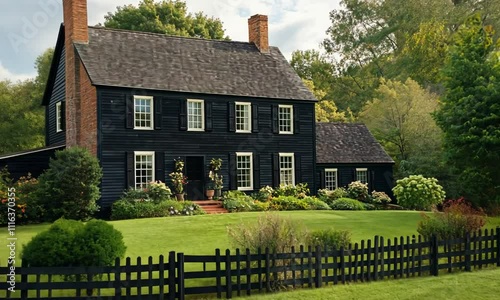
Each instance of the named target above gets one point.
<point>478,285</point>
<point>203,234</point>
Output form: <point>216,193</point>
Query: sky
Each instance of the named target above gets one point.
<point>29,27</point>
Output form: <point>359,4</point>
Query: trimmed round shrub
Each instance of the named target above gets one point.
<point>347,204</point>
<point>54,247</point>
<point>418,192</point>
<point>330,238</point>
<point>69,188</point>
<point>99,244</point>
<point>73,243</point>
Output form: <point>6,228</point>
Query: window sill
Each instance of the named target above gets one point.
<point>143,128</point>
<point>196,129</point>
<point>285,132</point>
<point>243,131</point>
<point>245,189</point>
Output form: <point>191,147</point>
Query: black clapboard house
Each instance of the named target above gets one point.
<point>349,152</point>
<point>140,100</point>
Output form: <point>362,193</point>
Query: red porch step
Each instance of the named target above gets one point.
<point>211,206</point>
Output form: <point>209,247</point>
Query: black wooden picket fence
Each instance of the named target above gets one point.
<point>244,273</point>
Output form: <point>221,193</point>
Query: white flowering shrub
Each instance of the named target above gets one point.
<point>418,192</point>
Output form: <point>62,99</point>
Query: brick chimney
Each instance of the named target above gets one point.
<point>258,32</point>
<point>81,95</point>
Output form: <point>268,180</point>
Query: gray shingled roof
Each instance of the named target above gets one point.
<point>161,62</point>
<point>348,143</point>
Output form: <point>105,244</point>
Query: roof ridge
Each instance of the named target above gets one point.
<point>169,35</point>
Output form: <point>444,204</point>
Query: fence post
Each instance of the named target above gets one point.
<point>118,288</point>
<point>319,277</point>
<point>24,279</point>
<point>171,276</point>
<point>180,275</point>
<point>498,246</point>
<point>229,283</point>
<point>467,253</point>
<point>434,249</point>
<point>217,274</point>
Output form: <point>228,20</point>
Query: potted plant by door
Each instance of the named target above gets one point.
<point>210,191</point>
<point>178,180</point>
<point>215,177</point>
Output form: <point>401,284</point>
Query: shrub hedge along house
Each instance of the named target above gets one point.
<point>140,100</point>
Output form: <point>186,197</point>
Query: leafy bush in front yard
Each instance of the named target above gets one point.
<point>358,190</point>
<point>125,209</point>
<point>270,231</point>
<point>300,190</point>
<point>27,208</point>
<point>418,192</point>
<point>73,243</point>
<point>347,204</point>
<point>328,196</point>
<point>330,238</point>
<point>380,197</point>
<point>235,201</point>
<point>156,191</point>
<point>458,218</point>
<point>69,188</point>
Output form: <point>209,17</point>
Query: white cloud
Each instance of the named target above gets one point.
<point>5,74</point>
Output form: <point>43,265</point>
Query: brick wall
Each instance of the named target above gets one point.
<point>81,96</point>
<point>88,112</point>
<point>258,32</point>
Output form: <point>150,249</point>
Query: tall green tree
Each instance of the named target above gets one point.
<point>166,16</point>
<point>470,111</point>
<point>22,117</point>
<point>400,118</point>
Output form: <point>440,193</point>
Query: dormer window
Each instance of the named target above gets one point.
<point>243,117</point>
<point>285,115</point>
<point>143,112</point>
<point>196,115</point>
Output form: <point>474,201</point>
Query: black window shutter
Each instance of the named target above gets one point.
<point>233,184</point>
<point>322,179</point>
<point>160,166</point>
<point>130,169</point>
<point>298,168</point>
<point>275,118</point>
<point>256,171</point>
<point>183,115</point>
<point>63,115</point>
<point>130,111</point>
<point>208,116</point>
<point>255,118</point>
<point>232,118</point>
<point>276,170</point>
<point>371,180</point>
<point>296,119</point>
<point>158,112</point>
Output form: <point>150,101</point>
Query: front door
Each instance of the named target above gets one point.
<point>195,173</point>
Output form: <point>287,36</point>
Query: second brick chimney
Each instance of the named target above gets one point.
<point>258,32</point>
<point>81,96</point>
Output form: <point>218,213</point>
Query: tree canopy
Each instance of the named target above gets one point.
<point>469,113</point>
<point>22,116</point>
<point>166,16</point>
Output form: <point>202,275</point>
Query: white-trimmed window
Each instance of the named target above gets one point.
<point>287,169</point>
<point>285,117</point>
<point>196,115</point>
<point>58,117</point>
<point>362,175</point>
<point>331,179</point>
<point>143,112</point>
<point>144,168</point>
<point>244,171</point>
<point>243,112</point>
